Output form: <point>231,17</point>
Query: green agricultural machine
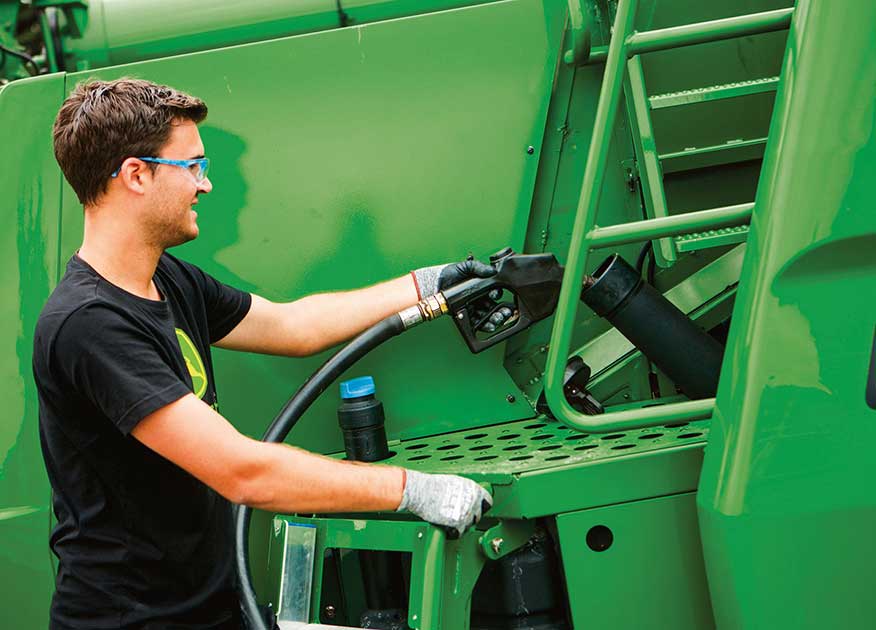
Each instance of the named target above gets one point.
<point>685,441</point>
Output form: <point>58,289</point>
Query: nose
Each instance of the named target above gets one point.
<point>205,185</point>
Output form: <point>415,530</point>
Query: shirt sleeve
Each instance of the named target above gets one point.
<point>115,364</point>
<point>226,306</point>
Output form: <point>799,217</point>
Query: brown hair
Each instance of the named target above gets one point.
<point>103,122</point>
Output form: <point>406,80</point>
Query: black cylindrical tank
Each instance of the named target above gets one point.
<point>668,337</point>
<point>361,418</point>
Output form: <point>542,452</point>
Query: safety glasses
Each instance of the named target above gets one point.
<point>198,167</point>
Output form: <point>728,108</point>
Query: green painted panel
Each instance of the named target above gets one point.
<point>650,577</point>
<point>786,499</point>
<point>345,157</point>
<point>31,185</point>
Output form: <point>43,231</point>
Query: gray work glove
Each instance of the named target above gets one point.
<point>453,502</point>
<point>431,280</point>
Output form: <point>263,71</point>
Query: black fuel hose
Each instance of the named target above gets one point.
<point>279,429</point>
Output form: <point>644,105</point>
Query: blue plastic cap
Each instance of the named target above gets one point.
<point>356,387</point>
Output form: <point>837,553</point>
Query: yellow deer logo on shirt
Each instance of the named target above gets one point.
<point>194,364</point>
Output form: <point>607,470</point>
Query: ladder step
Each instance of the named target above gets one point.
<point>714,93</point>
<point>712,238</point>
<point>649,229</point>
<point>700,157</point>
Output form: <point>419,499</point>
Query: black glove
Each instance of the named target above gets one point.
<point>455,273</point>
<point>431,280</point>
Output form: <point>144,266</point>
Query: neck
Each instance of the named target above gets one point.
<point>119,254</point>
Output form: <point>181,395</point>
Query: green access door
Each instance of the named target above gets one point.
<point>636,566</point>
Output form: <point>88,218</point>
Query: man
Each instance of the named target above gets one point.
<point>142,465</point>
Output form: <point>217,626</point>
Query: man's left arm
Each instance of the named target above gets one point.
<point>317,322</point>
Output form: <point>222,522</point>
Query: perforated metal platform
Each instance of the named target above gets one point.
<point>539,467</point>
<point>529,445</point>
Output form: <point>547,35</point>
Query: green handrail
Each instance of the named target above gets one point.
<point>579,35</point>
<point>606,112</point>
<point>699,33</point>
<point>586,235</point>
<point>712,31</point>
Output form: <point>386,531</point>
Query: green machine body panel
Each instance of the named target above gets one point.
<point>353,141</point>
<point>658,542</point>
<point>786,501</point>
<point>30,228</point>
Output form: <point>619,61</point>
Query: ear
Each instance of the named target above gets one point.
<point>135,175</point>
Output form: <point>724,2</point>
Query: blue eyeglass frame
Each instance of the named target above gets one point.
<point>203,164</point>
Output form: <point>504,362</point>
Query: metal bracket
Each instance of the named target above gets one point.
<point>500,540</point>
<point>631,174</point>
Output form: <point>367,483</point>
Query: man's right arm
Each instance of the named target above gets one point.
<point>281,478</point>
<point>274,477</point>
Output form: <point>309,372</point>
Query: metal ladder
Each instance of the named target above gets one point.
<point>640,106</point>
<point>650,162</point>
<point>622,53</point>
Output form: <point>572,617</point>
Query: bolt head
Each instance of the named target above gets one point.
<point>510,398</point>
<point>530,149</point>
<point>496,545</point>
<point>460,315</point>
<point>330,611</point>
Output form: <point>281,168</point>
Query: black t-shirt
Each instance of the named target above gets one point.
<point>140,542</point>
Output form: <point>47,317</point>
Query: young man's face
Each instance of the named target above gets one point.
<point>176,190</point>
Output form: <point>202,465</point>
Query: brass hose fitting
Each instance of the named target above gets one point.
<point>429,308</point>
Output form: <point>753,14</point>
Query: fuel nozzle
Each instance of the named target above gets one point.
<point>524,290</point>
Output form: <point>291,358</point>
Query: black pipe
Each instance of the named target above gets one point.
<point>361,418</point>
<point>279,429</point>
<point>57,43</point>
<point>683,351</point>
